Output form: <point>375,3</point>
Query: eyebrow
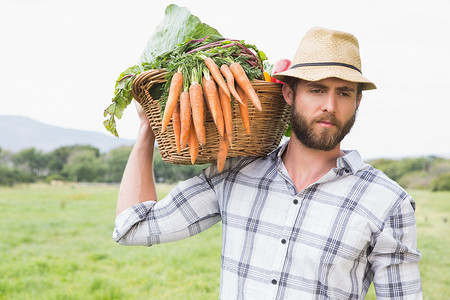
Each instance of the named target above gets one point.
<point>321,86</point>
<point>316,85</point>
<point>346,89</point>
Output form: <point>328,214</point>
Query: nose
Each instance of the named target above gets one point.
<point>329,103</point>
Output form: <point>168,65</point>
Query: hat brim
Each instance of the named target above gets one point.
<point>317,73</point>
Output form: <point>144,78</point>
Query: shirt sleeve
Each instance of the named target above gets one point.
<point>188,209</point>
<point>395,257</point>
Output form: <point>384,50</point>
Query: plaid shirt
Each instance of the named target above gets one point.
<point>328,241</point>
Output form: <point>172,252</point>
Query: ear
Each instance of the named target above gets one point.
<point>358,100</point>
<point>288,94</point>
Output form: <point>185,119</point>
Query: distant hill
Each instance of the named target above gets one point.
<point>18,133</point>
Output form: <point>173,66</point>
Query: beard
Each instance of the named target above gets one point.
<point>325,139</point>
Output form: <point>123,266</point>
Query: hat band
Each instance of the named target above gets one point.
<point>326,64</point>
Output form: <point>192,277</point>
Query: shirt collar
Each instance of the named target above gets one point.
<point>351,161</point>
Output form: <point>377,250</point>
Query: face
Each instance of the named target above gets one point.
<point>322,112</point>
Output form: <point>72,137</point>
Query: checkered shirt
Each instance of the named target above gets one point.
<point>328,241</point>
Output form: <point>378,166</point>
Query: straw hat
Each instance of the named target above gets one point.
<point>325,53</point>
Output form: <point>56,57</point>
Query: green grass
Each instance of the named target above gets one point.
<point>56,243</point>
<point>433,222</point>
<point>433,230</point>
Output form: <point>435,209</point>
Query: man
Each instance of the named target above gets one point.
<point>309,220</point>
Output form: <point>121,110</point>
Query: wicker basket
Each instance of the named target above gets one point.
<point>267,126</point>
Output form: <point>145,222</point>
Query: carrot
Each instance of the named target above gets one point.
<point>226,72</point>
<point>185,118</point>
<point>243,81</point>
<point>244,109</point>
<point>176,121</point>
<point>174,91</point>
<point>212,98</point>
<point>223,152</point>
<point>215,72</point>
<point>198,111</point>
<point>193,144</point>
<point>225,102</point>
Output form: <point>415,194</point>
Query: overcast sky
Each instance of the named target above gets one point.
<point>60,60</point>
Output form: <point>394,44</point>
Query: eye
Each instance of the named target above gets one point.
<point>344,93</point>
<point>316,91</point>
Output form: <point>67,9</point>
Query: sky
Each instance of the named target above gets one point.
<point>59,60</point>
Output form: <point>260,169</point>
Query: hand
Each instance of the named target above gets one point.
<point>141,113</point>
<point>144,128</point>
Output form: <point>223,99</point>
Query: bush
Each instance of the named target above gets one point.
<point>416,180</point>
<point>10,176</point>
<point>172,173</point>
<point>417,173</point>
<point>55,177</point>
<point>84,164</point>
<point>115,161</point>
<point>441,183</point>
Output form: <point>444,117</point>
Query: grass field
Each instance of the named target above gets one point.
<point>55,243</point>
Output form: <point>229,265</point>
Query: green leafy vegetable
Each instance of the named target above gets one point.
<point>178,26</point>
<point>182,42</point>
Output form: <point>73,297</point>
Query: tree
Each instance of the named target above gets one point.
<point>9,174</point>
<point>171,172</point>
<point>84,164</point>
<point>58,158</point>
<point>5,157</point>
<point>116,160</point>
<point>31,160</point>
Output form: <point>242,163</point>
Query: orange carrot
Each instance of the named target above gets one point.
<point>215,73</point>
<point>185,118</point>
<point>244,109</point>
<point>245,84</point>
<point>174,91</point>
<point>226,72</point>
<point>225,102</point>
<point>223,152</point>
<point>198,111</point>
<point>176,121</point>
<point>193,144</point>
<point>212,97</point>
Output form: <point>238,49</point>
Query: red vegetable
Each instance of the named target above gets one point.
<point>280,66</point>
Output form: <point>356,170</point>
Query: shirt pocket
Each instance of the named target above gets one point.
<point>347,246</point>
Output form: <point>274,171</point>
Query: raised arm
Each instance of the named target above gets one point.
<point>138,184</point>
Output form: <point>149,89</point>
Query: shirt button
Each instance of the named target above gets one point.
<point>274,281</point>
<point>295,201</point>
<point>283,241</point>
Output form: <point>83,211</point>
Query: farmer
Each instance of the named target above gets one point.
<point>307,221</point>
